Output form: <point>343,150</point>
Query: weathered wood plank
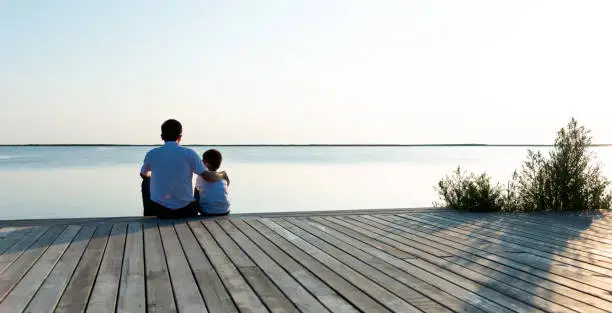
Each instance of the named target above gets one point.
<point>579,235</point>
<point>272,297</point>
<point>434,261</point>
<point>77,292</point>
<point>436,276</point>
<point>522,238</point>
<point>410,271</point>
<point>265,289</point>
<point>7,231</point>
<point>12,275</point>
<point>20,296</point>
<point>132,287</point>
<point>546,299</point>
<point>369,267</point>
<point>569,238</point>
<point>16,249</point>
<point>500,239</point>
<point>77,221</point>
<point>420,233</point>
<point>517,261</point>
<point>186,292</point>
<point>160,297</point>
<point>427,290</point>
<point>302,299</point>
<point>50,292</point>
<point>103,297</point>
<point>330,298</point>
<point>234,216</point>
<point>571,221</point>
<point>415,248</point>
<point>527,291</point>
<point>548,235</point>
<point>354,295</point>
<point>388,299</point>
<point>334,212</point>
<point>244,297</point>
<point>456,273</point>
<point>486,262</point>
<point>11,235</point>
<point>215,295</point>
<point>493,289</point>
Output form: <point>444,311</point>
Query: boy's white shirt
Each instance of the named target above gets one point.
<point>213,196</point>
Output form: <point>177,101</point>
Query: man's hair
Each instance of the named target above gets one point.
<point>171,130</point>
<point>213,158</point>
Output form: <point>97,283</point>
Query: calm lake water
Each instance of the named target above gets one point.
<point>54,182</point>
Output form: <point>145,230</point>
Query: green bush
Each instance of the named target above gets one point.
<point>470,192</point>
<point>570,179</point>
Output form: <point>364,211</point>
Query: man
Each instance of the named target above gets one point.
<point>170,169</point>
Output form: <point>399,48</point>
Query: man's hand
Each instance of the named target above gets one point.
<point>214,176</point>
<point>226,177</point>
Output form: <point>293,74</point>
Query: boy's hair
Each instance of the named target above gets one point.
<point>171,130</point>
<point>213,158</point>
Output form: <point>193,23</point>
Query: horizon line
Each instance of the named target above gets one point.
<point>296,145</point>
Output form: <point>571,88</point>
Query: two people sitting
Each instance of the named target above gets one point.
<point>167,173</point>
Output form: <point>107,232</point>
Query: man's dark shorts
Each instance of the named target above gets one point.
<point>191,210</point>
<point>147,204</point>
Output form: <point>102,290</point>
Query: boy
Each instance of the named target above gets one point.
<point>212,195</point>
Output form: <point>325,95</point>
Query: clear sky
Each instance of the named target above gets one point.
<point>304,71</point>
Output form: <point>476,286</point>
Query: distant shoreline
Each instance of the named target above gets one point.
<point>297,145</point>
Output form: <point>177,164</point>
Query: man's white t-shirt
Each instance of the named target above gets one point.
<point>172,168</point>
<point>213,196</point>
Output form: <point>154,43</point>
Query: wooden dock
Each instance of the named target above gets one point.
<point>413,260</point>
